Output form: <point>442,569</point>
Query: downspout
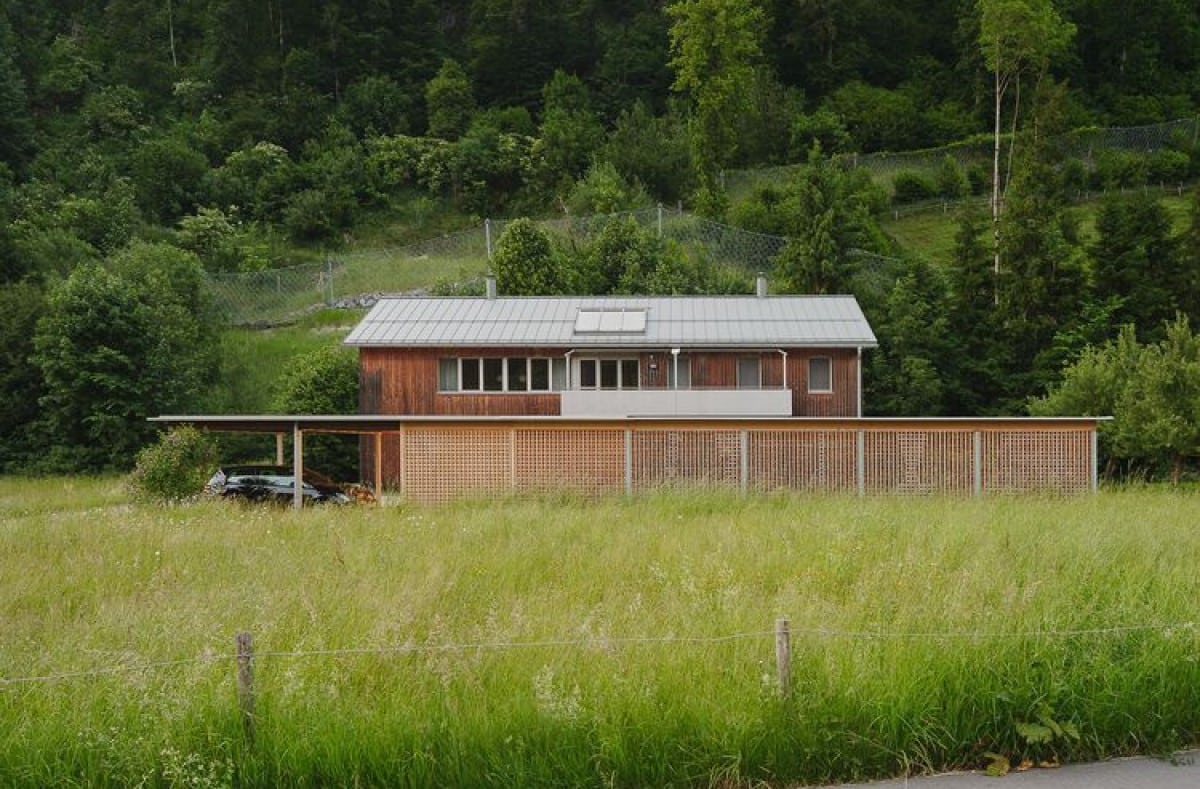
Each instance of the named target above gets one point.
<point>568,357</point>
<point>784,353</point>
<point>860,396</point>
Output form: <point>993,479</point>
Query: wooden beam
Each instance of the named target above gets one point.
<point>297,466</point>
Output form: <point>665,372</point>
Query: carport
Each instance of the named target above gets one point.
<point>297,425</point>
<point>433,458</point>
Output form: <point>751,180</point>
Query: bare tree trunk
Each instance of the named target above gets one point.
<point>1012,139</point>
<point>996,192</point>
<point>171,33</point>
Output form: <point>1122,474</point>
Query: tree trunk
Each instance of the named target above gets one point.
<point>996,190</point>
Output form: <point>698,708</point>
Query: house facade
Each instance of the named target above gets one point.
<point>629,356</point>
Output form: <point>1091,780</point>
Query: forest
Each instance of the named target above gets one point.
<point>146,145</point>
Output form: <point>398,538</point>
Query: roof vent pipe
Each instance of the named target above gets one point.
<point>491,286</point>
<point>760,285</point>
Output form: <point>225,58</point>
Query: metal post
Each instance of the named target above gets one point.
<point>977,462</point>
<point>487,235</point>
<point>628,462</point>
<point>329,280</point>
<point>859,384</point>
<point>860,462</point>
<point>744,460</point>
<point>1095,458</point>
<point>660,212</point>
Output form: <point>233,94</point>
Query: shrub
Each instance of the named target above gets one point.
<point>912,187</point>
<point>952,182</point>
<point>980,179</point>
<point>1168,166</point>
<point>175,468</point>
<point>1119,169</point>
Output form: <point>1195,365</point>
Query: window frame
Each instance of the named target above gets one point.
<point>599,364</point>
<point>478,366</point>
<point>808,382</point>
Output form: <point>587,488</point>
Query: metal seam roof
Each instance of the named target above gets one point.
<point>713,321</point>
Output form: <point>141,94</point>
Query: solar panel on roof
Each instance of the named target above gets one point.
<point>622,321</point>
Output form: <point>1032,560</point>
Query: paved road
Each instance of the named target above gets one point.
<point>1180,772</point>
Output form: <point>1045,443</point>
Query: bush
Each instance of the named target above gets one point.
<point>952,182</point>
<point>1119,170</point>
<point>1168,166</point>
<point>175,468</point>
<point>980,179</point>
<point>912,187</point>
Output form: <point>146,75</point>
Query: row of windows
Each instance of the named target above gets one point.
<point>540,374</point>
<point>510,374</point>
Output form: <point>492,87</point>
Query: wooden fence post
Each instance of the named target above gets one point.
<point>245,681</point>
<point>783,656</point>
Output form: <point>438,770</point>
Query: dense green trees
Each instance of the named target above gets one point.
<point>150,132</point>
<point>116,345</point>
<point>1151,391</point>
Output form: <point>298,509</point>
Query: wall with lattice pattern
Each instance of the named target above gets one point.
<point>432,461</point>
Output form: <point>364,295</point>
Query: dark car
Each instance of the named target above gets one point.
<point>274,484</point>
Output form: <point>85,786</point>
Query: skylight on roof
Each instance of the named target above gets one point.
<point>595,321</point>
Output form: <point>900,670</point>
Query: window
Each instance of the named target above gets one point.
<point>684,368</point>
<point>609,373</point>
<point>518,375</point>
<point>447,375</point>
<point>470,375</point>
<point>509,374</point>
<point>539,375</point>
<point>749,372</point>
<point>587,373</point>
<point>820,374</point>
<point>493,375</point>
<point>629,373</point>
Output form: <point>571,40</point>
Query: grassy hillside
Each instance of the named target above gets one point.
<point>627,642</point>
<point>930,234</point>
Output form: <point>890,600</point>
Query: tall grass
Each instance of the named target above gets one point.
<point>500,641</point>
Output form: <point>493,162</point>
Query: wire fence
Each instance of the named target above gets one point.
<point>455,263</point>
<point>358,279</point>
<point>782,626</point>
<point>1083,143</point>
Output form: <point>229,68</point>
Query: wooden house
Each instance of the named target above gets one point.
<point>583,357</point>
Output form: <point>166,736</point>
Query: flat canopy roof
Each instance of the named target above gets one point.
<point>369,423</point>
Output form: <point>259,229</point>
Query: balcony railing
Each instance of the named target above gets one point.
<point>677,402</point>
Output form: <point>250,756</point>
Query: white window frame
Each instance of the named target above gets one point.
<point>809,377</point>
<point>758,364</point>
<point>505,386</point>
<point>596,360</point>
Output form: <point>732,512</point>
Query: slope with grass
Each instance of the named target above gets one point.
<point>618,642</point>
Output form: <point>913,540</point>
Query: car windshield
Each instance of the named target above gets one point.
<point>276,475</point>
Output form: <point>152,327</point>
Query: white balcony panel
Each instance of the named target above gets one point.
<point>676,402</point>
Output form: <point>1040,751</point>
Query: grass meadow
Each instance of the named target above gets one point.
<point>620,642</point>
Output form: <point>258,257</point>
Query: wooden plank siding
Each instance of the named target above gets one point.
<point>842,401</point>
<point>440,461</point>
<point>403,381</point>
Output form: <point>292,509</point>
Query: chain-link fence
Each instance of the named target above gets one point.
<point>1084,144</point>
<point>357,279</point>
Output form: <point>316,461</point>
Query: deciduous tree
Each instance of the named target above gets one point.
<point>1016,37</point>
<point>715,47</point>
